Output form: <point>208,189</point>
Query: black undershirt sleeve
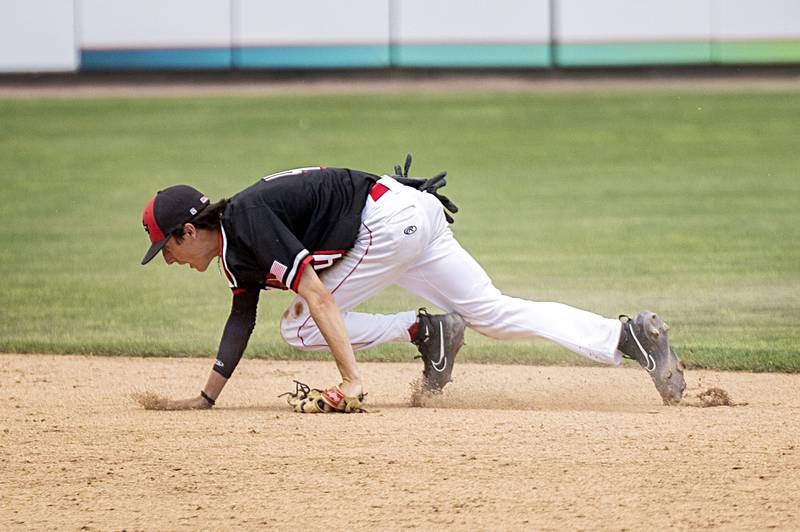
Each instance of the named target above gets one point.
<point>237,332</point>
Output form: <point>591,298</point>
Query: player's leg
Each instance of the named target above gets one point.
<point>450,278</point>
<point>385,248</point>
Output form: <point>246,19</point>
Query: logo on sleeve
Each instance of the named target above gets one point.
<point>410,230</point>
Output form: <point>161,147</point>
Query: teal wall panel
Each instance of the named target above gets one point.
<point>471,55</point>
<point>155,59</point>
<point>630,54</point>
<point>443,56</point>
<point>311,57</point>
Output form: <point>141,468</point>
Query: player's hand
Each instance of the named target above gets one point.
<point>195,403</point>
<point>153,401</point>
<point>308,400</point>
<point>199,403</point>
<point>352,388</point>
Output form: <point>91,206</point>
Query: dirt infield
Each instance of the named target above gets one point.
<point>507,447</point>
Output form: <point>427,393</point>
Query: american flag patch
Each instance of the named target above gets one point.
<point>277,269</point>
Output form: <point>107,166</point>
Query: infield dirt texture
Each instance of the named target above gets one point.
<point>505,448</point>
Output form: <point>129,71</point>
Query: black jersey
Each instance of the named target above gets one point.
<point>275,228</point>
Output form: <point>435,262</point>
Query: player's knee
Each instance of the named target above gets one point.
<point>291,321</point>
<point>481,314</point>
<point>303,335</point>
<point>289,333</point>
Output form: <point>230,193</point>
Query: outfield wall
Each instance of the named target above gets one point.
<point>38,36</point>
<point>471,33</point>
<point>70,35</point>
<point>311,33</point>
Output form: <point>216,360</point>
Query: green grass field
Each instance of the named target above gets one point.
<point>687,203</point>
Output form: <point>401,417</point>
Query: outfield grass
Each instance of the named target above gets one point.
<point>686,203</point>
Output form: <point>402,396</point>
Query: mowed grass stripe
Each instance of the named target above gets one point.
<point>684,203</point>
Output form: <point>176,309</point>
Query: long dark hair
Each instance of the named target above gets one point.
<point>208,218</point>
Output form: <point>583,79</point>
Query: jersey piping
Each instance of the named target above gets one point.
<point>325,259</point>
<point>272,230</point>
<point>293,278</point>
<point>223,240</point>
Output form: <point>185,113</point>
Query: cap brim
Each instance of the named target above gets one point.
<point>154,249</point>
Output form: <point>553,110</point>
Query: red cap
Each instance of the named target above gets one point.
<point>167,211</point>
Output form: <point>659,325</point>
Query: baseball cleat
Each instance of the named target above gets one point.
<point>644,339</point>
<point>438,339</point>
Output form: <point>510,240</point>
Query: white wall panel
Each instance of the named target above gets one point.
<point>470,21</point>
<point>45,35</point>
<point>310,22</point>
<point>632,20</point>
<point>154,23</point>
<point>756,19</point>
<point>37,36</point>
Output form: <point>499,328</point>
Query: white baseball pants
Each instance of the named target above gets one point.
<point>405,240</point>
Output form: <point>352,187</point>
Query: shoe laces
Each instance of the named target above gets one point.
<point>651,362</point>
<point>425,322</point>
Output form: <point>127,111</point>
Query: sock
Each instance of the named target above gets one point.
<point>413,330</point>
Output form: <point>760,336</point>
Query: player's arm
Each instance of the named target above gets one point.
<point>329,319</point>
<point>238,328</point>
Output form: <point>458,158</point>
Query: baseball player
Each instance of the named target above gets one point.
<point>337,237</point>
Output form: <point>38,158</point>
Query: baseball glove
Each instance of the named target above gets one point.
<point>308,400</point>
<point>431,186</point>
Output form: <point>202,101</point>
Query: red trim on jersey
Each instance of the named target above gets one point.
<point>330,252</point>
<point>306,261</point>
<point>149,221</point>
<point>224,266</point>
<point>238,291</point>
<point>377,190</point>
<point>369,244</point>
<point>325,259</point>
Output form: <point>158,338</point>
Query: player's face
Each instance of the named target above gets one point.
<point>192,250</point>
